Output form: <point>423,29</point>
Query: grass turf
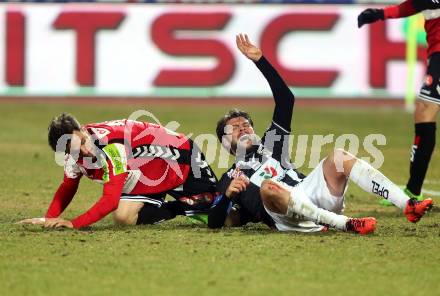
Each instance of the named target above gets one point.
<point>182,258</point>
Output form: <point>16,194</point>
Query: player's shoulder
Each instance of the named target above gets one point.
<point>107,131</point>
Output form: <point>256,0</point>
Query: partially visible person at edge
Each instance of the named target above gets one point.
<point>427,105</point>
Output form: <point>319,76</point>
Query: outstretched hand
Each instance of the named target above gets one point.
<point>57,223</point>
<point>47,222</point>
<point>32,221</point>
<point>247,48</point>
<point>369,16</point>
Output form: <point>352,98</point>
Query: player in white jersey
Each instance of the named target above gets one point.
<point>292,202</point>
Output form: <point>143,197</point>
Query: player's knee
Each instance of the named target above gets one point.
<point>342,160</point>
<point>124,218</point>
<point>127,212</point>
<point>272,196</point>
<point>425,111</point>
<point>340,153</point>
<point>266,189</point>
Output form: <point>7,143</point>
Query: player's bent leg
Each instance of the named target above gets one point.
<point>127,212</point>
<point>373,181</point>
<point>293,204</point>
<point>135,210</point>
<point>153,214</point>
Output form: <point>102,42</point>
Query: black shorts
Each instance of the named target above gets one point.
<point>430,90</point>
<point>197,193</point>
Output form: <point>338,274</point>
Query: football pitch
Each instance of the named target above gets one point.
<point>181,257</point>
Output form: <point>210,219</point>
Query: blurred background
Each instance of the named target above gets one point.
<point>186,49</point>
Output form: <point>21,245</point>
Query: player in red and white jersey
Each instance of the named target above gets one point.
<point>138,163</point>
<point>428,104</point>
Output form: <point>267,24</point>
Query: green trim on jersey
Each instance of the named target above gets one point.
<point>105,176</point>
<point>117,157</point>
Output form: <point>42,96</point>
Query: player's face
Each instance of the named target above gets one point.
<point>81,143</point>
<point>240,132</point>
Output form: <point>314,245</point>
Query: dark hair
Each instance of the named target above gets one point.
<point>234,113</point>
<point>60,126</point>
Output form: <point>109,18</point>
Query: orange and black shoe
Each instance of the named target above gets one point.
<point>415,209</point>
<point>361,225</point>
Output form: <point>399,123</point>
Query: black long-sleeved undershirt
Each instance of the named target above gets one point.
<point>283,97</point>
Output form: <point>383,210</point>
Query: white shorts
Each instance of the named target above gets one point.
<point>314,187</point>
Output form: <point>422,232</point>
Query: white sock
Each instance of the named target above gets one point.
<point>371,180</point>
<point>299,204</point>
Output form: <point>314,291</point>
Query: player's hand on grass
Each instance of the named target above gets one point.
<point>237,185</point>
<point>32,221</point>
<point>369,16</point>
<point>247,48</point>
<point>57,223</point>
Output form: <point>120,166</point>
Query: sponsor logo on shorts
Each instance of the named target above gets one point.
<point>425,91</point>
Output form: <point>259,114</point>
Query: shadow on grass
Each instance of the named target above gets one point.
<point>252,229</point>
<point>249,229</point>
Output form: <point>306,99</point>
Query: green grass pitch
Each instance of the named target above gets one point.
<point>182,258</point>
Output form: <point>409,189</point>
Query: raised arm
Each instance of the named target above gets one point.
<point>284,98</point>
